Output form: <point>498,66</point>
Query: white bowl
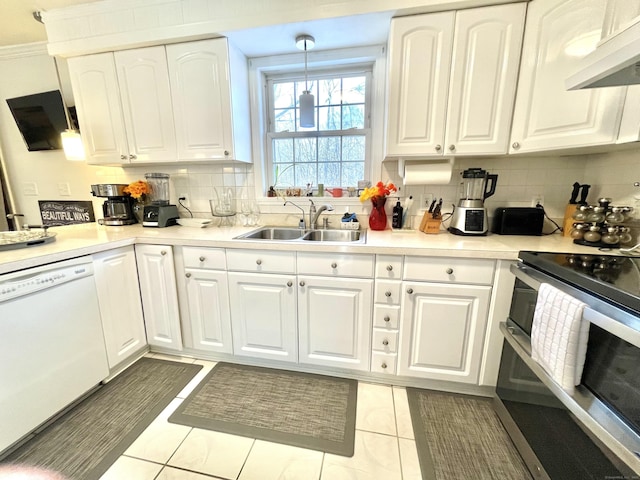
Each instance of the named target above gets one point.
<point>195,222</point>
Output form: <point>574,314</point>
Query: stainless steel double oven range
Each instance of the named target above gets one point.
<point>595,432</point>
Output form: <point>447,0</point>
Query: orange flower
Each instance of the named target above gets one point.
<point>380,190</point>
<point>137,189</point>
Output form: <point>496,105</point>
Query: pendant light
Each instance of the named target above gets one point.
<point>306,100</point>
<point>71,139</point>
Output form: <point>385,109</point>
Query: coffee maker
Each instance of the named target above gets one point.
<point>159,213</point>
<point>470,216</point>
<point>117,208</point>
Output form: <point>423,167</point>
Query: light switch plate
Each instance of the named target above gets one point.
<point>64,190</point>
<point>30,188</point>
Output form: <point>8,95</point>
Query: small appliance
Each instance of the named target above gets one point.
<point>518,221</point>
<point>159,213</point>
<point>117,208</point>
<point>470,216</point>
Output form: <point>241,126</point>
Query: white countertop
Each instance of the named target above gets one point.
<point>85,239</point>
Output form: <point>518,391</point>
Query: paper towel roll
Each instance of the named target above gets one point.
<point>431,173</point>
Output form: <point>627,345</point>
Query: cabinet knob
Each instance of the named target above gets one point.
<point>438,148</point>
<point>302,284</point>
<point>123,157</point>
<point>163,252</point>
<point>384,365</point>
<point>516,145</point>
<point>449,271</point>
<point>409,291</point>
<point>188,275</point>
<point>133,157</point>
<point>334,265</point>
<point>385,342</point>
<point>258,262</point>
<point>289,283</point>
<point>202,259</point>
<point>226,153</point>
<point>387,318</point>
<point>387,294</point>
<point>452,147</point>
<point>389,268</point>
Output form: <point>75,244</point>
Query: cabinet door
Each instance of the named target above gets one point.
<point>146,103</point>
<point>442,331</point>
<point>97,97</point>
<point>263,316</point>
<point>208,304</point>
<point>484,73</point>
<point>547,116</point>
<point>116,278</point>
<point>334,317</point>
<point>199,73</point>
<point>156,274</point>
<point>419,64</point>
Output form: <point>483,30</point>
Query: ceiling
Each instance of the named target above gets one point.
<point>17,26</point>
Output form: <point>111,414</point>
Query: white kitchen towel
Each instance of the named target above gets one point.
<point>559,336</point>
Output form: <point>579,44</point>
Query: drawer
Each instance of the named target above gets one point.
<point>384,341</point>
<point>386,316</point>
<point>454,270</point>
<point>335,264</point>
<point>265,261</point>
<point>389,266</point>
<point>383,363</point>
<point>388,292</point>
<point>210,258</point>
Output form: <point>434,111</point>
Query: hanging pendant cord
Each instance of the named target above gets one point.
<point>306,85</point>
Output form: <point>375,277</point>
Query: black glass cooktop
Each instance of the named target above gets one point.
<point>615,279</point>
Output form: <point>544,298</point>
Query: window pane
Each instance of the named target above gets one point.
<point>353,148</point>
<point>329,92</point>
<point>306,173</point>
<point>352,116</point>
<point>285,120</point>
<point>329,118</point>
<point>283,175</point>
<point>351,173</point>
<point>305,150</point>
<point>329,149</point>
<point>353,89</point>
<point>300,87</point>
<point>329,174</point>
<point>284,95</point>
<point>283,150</point>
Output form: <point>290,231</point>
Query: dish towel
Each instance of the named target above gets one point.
<point>559,336</point>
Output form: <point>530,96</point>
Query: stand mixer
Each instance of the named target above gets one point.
<point>470,216</point>
<point>160,213</point>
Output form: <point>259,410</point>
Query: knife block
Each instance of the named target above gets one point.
<point>567,223</point>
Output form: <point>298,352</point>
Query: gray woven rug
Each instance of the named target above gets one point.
<point>299,409</point>
<point>84,442</point>
<point>461,437</point>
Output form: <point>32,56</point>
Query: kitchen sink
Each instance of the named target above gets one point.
<point>286,234</point>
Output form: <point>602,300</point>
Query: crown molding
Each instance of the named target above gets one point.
<point>23,50</point>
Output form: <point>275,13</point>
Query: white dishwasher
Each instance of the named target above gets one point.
<point>51,343</point>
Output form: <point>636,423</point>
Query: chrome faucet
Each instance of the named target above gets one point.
<point>304,224</point>
<point>316,213</point>
<point>16,218</point>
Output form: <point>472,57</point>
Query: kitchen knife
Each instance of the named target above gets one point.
<point>574,193</point>
<point>437,209</point>
<point>583,194</point>
<point>433,204</point>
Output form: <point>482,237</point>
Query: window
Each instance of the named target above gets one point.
<point>332,153</point>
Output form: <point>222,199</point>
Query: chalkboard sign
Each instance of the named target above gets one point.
<point>65,212</point>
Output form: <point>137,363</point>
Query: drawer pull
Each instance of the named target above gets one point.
<point>387,318</point>
<point>133,156</point>
<point>389,268</point>
<point>258,262</point>
<point>289,283</point>
<point>516,145</point>
<point>385,342</point>
<point>188,275</point>
<point>123,157</point>
<point>334,265</point>
<point>163,252</point>
<point>449,271</point>
<point>438,148</point>
<point>387,294</point>
<point>302,284</point>
<point>202,259</point>
<point>409,291</point>
<point>384,365</point>
<point>452,147</point>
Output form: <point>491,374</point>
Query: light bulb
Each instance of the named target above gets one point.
<point>72,145</point>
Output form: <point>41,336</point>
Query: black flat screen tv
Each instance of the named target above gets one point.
<point>40,119</point>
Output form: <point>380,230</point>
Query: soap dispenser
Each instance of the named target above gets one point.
<point>396,219</point>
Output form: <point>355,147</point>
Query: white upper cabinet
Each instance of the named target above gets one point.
<point>209,88</point>
<point>452,81</point>
<point>547,116</point>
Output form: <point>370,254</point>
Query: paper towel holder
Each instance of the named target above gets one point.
<point>402,161</point>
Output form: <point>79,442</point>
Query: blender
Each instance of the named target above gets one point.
<point>159,213</point>
<point>470,216</point>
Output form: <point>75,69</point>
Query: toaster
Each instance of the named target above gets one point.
<point>518,221</point>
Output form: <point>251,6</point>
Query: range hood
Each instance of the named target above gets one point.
<point>614,62</point>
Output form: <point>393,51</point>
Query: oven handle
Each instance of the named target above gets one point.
<point>522,273</point>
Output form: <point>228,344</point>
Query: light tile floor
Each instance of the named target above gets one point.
<point>385,448</point>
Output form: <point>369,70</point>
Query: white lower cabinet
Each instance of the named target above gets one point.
<point>116,280</point>
<point>157,278</point>
<point>334,317</point>
<point>442,331</point>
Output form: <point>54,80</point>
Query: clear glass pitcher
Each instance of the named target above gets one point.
<point>159,185</point>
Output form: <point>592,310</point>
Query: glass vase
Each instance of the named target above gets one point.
<point>138,209</point>
<point>378,216</point>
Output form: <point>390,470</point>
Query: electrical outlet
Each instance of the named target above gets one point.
<point>184,202</point>
<point>425,200</point>
<point>538,199</point>
<point>30,188</point>
<point>64,190</point>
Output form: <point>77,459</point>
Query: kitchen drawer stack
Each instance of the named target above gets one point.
<point>386,313</point>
